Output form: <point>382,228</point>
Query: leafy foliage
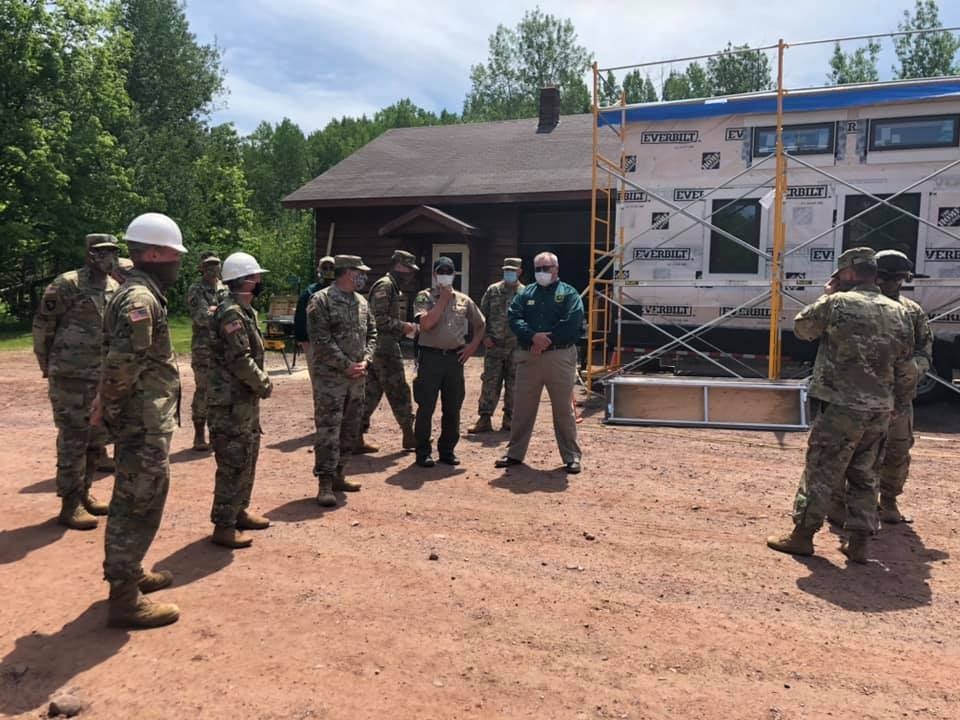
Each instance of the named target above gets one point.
<point>929,54</point>
<point>856,67</point>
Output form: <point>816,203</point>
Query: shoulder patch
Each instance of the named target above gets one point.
<point>231,327</point>
<point>138,314</point>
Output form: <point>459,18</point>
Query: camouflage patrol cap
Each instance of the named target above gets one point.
<point>512,264</point>
<point>404,258</point>
<point>208,256</point>
<point>351,262</point>
<point>326,260</point>
<point>101,240</point>
<point>856,256</point>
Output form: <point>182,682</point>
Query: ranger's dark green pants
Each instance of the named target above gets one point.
<point>439,372</point>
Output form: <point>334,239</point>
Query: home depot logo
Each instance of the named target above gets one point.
<point>709,160</point>
<point>661,253</point>
<point>948,216</point>
<point>669,137</point>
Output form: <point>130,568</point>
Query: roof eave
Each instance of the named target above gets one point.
<point>491,199</point>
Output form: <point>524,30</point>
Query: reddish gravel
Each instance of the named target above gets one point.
<point>674,609</point>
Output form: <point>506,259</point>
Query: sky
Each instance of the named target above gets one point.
<point>315,60</point>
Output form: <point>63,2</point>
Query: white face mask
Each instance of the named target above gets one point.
<point>444,280</point>
<point>543,278</point>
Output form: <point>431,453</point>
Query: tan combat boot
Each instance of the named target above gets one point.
<point>855,547</point>
<point>230,537</point>
<point>363,447</point>
<point>798,542</point>
<point>74,516</point>
<point>889,511</point>
<point>153,580</point>
<point>325,496</point>
<point>248,521</point>
<point>409,441</point>
<point>341,484</point>
<point>200,443</point>
<point>482,425</point>
<point>129,609</point>
<point>92,505</point>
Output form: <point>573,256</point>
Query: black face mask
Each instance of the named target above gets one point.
<point>404,280</point>
<point>165,273</point>
<point>257,289</point>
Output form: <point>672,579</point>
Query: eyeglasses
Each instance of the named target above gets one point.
<point>544,268</point>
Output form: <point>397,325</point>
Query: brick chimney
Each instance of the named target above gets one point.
<point>549,109</point>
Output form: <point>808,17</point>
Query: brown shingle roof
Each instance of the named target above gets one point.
<point>494,161</point>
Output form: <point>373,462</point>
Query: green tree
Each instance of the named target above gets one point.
<point>677,86</point>
<point>856,67</point>
<point>610,90</point>
<point>638,89</point>
<point>700,86</point>
<point>542,50</point>
<point>733,72</point>
<point>929,54</point>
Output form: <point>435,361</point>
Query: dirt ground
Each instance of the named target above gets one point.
<point>640,588</point>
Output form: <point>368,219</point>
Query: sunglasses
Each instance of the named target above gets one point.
<point>544,268</point>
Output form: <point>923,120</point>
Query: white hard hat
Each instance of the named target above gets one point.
<point>155,229</point>
<point>240,264</point>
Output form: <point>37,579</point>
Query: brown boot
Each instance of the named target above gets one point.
<point>248,521</point>
<point>325,496</point>
<point>798,542</point>
<point>129,609</point>
<point>341,484</point>
<point>890,513</point>
<point>363,447</point>
<point>855,547</point>
<point>153,580</point>
<point>482,425</point>
<point>230,537</point>
<point>92,505</point>
<point>409,441</point>
<point>75,516</point>
<point>105,463</point>
<point>200,443</point>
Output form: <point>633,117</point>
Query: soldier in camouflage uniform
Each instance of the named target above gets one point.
<point>863,372</point>
<point>68,343</point>
<point>237,383</point>
<point>386,374</point>
<point>894,269</point>
<point>343,335</point>
<point>499,359</point>
<point>324,278</point>
<point>203,297</point>
<point>138,402</point>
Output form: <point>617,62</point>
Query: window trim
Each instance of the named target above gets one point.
<point>872,147</point>
<point>832,124</point>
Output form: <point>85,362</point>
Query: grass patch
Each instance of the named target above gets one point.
<point>21,339</point>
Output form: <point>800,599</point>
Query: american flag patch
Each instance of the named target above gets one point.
<point>231,327</point>
<point>139,314</point>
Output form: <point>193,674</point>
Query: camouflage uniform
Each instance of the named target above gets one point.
<point>386,373</point>
<point>342,331</point>
<point>863,371</point>
<point>499,362</point>
<point>68,343</point>
<point>140,394</point>
<point>896,458</point>
<point>237,382</point>
<point>200,298</point>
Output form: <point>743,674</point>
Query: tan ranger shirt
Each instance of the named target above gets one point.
<point>451,332</point>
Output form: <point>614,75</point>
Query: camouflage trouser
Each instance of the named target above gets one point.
<point>386,375</point>
<point>896,456</point>
<point>139,494</point>
<point>235,436</point>
<point>201,372</point>
<point>338,414</point>
<point>499,370</point>
<point>844,444</point>
<point>78,444</point>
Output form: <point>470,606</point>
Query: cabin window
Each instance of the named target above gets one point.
<point>913,133</point>
<point>740,218</point>
<point>882,227</point>
<point>809,139</point>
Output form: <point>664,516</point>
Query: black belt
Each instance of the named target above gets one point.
<point>561,346</point>
<point>440,351</point>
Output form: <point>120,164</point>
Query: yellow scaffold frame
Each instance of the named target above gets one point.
<point>607,248</point>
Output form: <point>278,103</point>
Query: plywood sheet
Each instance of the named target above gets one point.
<point>754,406</point>
<point>659,402</point>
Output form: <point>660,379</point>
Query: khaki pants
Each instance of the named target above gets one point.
<point>557,371</point>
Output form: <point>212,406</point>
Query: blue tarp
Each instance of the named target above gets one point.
<point>805,101</point>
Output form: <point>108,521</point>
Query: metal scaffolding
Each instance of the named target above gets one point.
<point>606,307</point>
